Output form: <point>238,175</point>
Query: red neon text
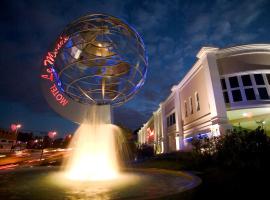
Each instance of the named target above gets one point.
<point>48,76</point>
<point>50,57</point>
<point>58,96</point>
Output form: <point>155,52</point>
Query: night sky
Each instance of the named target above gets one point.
<point>173,32</point>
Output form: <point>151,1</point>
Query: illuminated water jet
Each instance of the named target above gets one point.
<point>94,155</point>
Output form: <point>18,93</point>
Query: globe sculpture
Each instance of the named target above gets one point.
<point>98,59</point>
<point>103,61</point>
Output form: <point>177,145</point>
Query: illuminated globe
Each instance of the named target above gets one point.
<point>103,61</point>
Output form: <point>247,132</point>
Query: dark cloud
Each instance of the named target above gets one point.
<point>127,117</point>
<point>173,32</point>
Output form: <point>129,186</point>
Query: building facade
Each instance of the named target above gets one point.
<point>7,140</point>
<point>225,88</point>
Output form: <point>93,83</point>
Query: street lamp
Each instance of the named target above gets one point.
<point>54,133</point>
<point>15,127</point>
<point>51,135</point>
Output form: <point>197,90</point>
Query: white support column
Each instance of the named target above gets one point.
<point>214,91</point>
<point>160,130</point>
<point>155,131</point>
<point>164,129</point>
<point>139,137</point>
<point>178,120</point>
<point>143,134</point>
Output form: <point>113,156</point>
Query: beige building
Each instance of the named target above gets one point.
<point>225,88</point>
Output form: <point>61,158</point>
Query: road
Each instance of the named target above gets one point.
<point>31,157</point>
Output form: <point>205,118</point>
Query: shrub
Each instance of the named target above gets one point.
<point>243,149</point>
<point>236,149</point>
<point>145,151</point>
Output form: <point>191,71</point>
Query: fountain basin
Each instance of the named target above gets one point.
<point>45,183</point>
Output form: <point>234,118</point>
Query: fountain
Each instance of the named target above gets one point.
<point>98,63</point>
<point>94,155</point>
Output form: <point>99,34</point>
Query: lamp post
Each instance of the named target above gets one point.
<point>51,134</point>
<point>15,127</point>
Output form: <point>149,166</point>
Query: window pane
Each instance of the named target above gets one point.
<point>191,105</point>
<point>233,82</point>
<point>259,79</point>
<point>246,80</point>
<point>236,95</point>
<point>223,84</point>
<point>226,97</point>
<point>197,101</point>
<point>173,118</point>
<point>250,94</point>
<point>268,78</point>
<point>263,93</point>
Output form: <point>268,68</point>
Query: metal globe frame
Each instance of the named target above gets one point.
<point>103,62</point>
<point>97,60</point>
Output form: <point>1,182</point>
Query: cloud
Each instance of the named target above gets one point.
<point>200,23</point>
<point>129,117</point>
<point>243,37</point>
<point>248,20</point>
<point>173,32</point>
<point>223,23</point>
<point>152,15</point>
<point>222,30</point>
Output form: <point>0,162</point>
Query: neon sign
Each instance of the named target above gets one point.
<point>150,134</point>
<point>51,55</point>
<point>58,96</point>
<point>48,63</point>
<point>49,75</point>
